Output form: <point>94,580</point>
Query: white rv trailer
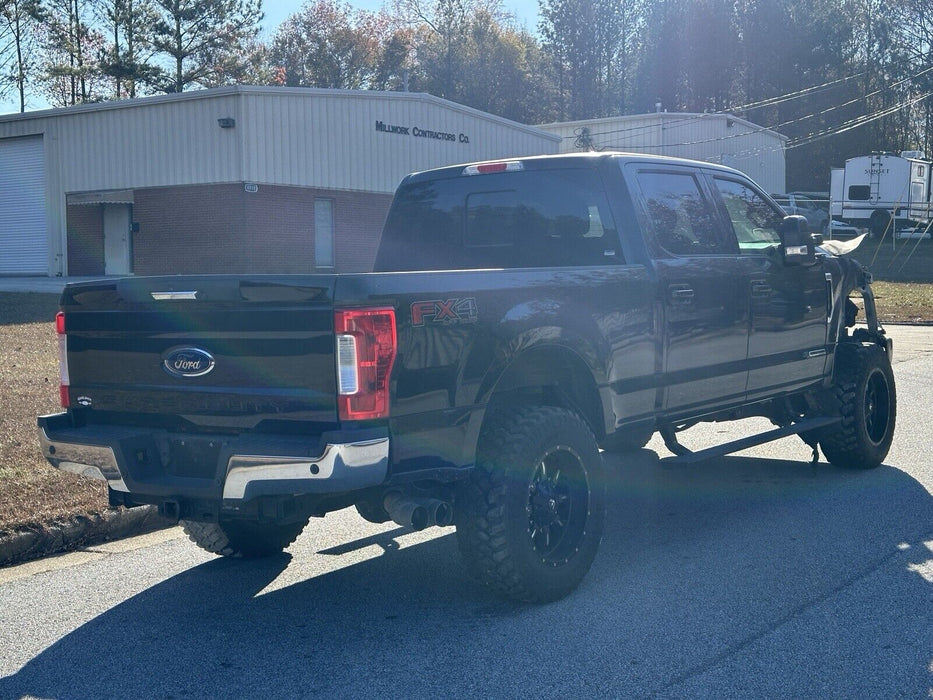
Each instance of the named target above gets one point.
<point>872,190</point>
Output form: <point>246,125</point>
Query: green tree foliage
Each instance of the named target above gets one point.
<point>201,39</point>
<point>127,57</point>
<point>327,44</point>
<point>591,45</point>
<point>472,52</point>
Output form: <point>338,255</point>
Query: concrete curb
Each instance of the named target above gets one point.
<point>78,532</point>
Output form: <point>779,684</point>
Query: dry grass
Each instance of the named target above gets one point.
<point>31,491</point>
<point>902,302</point>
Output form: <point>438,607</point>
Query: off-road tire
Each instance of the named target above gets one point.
<point>880,223</point>
<point>865,397</point>
<point>535,465</point>
<point>243,538</point>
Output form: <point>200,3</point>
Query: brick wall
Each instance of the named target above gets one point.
<point>86,239</point>
<point>358,218</point>
<point>191,229</point>
<point>224,229</point>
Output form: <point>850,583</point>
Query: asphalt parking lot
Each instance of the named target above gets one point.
<point>754,575</point>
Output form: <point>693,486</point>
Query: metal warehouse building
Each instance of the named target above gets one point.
<point>240,179</point>
<point>715,138</point>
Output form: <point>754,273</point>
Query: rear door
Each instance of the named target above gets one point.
<point>703,293</point>
<point>787,344</point>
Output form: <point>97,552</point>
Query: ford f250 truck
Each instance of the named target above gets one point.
<point>522,314</point>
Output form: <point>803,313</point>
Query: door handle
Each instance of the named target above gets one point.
<point>760,288</point>
<point>681,294</point>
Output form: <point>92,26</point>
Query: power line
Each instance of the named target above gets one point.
<point>812,137</point>
<point>740,108</point>
<point>768,102</point>
<point>857,122</point>
<point>794,95</point>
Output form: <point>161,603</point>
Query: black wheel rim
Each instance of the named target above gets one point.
<point>558,506</point>
<point>877,407</point>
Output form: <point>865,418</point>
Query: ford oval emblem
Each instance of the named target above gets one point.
<point>187,362</point>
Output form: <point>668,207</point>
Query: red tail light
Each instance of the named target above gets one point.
<point>366,348</point>
<point>62,359</point>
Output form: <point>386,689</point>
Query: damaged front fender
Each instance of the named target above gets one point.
<point>856,278</point>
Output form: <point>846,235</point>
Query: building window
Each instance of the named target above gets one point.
<point>324,233</point>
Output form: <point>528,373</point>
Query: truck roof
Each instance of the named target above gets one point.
<point>568,160</point>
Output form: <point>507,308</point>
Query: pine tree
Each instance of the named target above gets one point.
<point>199,37</point>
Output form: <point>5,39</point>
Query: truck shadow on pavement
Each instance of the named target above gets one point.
<point>745,577</point>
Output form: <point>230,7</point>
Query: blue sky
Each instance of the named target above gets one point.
<point>526,11</point>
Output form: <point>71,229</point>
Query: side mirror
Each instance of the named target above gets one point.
<point>798,244</point>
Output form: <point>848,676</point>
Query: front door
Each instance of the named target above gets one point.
<point>117,239</point>
<point>787,344</point>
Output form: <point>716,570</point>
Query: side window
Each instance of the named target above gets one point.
<point>860,193</point>
<point>679,214</point>
<point>755,222</point>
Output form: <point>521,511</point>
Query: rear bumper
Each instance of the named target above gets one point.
<point>342,466</point>
<point>138,462</point>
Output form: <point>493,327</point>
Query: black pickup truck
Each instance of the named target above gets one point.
<point>522,315</point>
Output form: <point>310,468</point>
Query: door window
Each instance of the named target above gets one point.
<point>323,233</point>
<point>755,222</point>
<point>679,214</point>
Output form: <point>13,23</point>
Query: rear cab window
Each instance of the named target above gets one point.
<point>557,217</point>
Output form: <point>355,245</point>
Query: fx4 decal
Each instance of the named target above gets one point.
<point>449,312</point>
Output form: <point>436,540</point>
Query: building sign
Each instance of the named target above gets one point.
<point>419,133</point>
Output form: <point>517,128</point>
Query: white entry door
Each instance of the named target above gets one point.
<point>117,239</point>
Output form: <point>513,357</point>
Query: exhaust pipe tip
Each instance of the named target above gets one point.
<point>442,513</point>
<point>406,512</point>
<point>420,517</point>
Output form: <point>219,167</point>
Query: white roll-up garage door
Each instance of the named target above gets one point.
<point>24,247</point>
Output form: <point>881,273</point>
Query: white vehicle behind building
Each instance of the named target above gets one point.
<point>871,191</point>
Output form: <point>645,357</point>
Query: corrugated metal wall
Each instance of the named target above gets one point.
<point>715,138</point>
<point>136,144</point>
<point>310,138</point>
<point>332,140</point>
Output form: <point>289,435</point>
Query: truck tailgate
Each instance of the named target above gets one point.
<point>217,352</point>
